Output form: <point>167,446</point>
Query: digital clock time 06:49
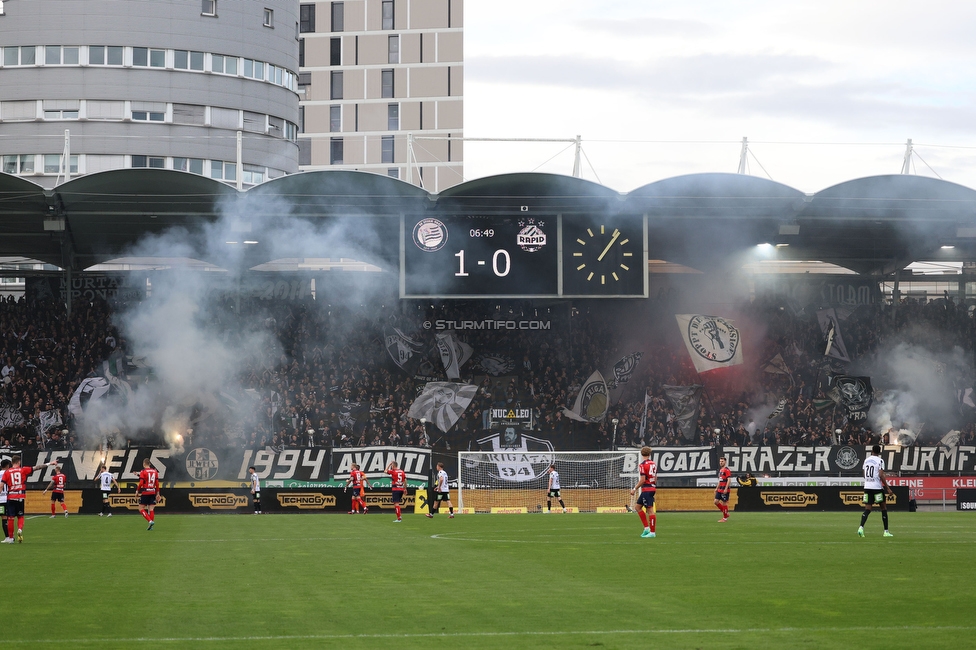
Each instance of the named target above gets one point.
<point>479,256</point>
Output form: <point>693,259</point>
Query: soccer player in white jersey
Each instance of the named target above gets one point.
<point>442,492</point>
<point>875,489</point>
<point>105,482</point>
<point>255,489</point>
<point>554,490</point>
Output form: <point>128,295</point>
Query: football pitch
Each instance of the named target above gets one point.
<point>762,580</point>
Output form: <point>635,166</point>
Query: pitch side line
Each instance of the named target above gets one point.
<point>449,537</point>
<point>450,635</point>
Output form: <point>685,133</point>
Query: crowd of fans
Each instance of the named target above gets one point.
<point>330,381</point>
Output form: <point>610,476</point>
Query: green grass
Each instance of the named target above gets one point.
<point>794,580</point>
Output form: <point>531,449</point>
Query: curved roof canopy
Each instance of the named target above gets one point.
<point>872,225</point>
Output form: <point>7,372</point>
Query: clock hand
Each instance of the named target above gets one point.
<point>616,233</point>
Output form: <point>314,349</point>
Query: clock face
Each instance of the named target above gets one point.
<point>604,258</point>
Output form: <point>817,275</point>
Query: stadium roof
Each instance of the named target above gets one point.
<point>707,221</point>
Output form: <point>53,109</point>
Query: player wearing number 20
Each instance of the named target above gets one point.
<point>148,490</point>
<point>647,484</point>
<point>875,488</point>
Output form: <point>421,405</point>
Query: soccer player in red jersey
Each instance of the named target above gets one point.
<point>4,466</point>
<point>398,486</point>
<point>647,484</point>
<point>357,479</point>
<point>148,490</point>
<point>15,478</point>
<point>723,489</point>
<point>58,481</point>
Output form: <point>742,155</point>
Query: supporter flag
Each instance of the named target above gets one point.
<point>712,342</point>
<point>10,417</point>
<point>275,403</point>
<point>966,397</point>
<point>778,411</point>
<point>353,415</point>
<point>685,401</point>
<point>90,389</point>
<point>402,348</point>
<point>591,402</point>
<point>454,354</point>
<point>114,366</point>
<point>855,394</point>
<point>829,325</point>
<point>442,403</point>
<point>624,369</point>
<point>647,402</point>
<point>48,419</point>
<point>777,366</point>
<point>950,439</point>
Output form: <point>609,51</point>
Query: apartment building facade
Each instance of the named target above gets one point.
<point>208,87</point>
<point>381,86</point>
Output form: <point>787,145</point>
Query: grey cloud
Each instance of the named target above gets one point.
<point>648,27</point>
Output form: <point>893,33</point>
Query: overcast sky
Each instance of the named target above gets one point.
<point>826,91</point>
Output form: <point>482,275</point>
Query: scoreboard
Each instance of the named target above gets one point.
<point>542,256</point>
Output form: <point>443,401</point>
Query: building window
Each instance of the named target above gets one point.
<point>52,164</point>
<point>192,165</point>
<point>335,119</point>
<point>22,164</point>
<point>393,47</point>
<point>153,162</point>
<point>253,175</point>
<point>337,17</point>
<point>304,79</point>
<point>387,14</point>
<point>306,19</point>
<point>393,172</point>
<point>105,55</point>
<point>335,151</point>
<point>226,171</point>
<point>335,87</point>
<point>24,55</point>
<point>209,8</point>
<point>148,116</point>
<point>335,51</point>
<point>301,53</point>
<point>393,117</point>
<point>291,130</point>
<point>386,149</point>
<point>61,115</point>
<point>183,60</point>
<point>268,17</point>
<point>386,81</point>
<point>146,57</point>
<point>57,55</point>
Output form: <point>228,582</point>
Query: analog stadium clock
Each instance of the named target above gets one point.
<point>604,258</point>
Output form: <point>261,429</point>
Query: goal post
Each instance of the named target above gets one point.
<point>519,479</point>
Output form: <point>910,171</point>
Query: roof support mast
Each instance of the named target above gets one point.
<point>577,170</point>
<point>743,157</point>
<point>906,165</point>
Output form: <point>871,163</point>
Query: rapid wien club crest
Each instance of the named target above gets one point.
<point>531,237</point>
<point>713,338</point>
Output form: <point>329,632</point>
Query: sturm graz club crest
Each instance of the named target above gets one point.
<point>855,394</point>
<point>713,338</point>
<point>202,464</point>
<point>847,458</point>
<point>495,364</point>
<point>531,237</point>
<point>430,235</point>
<point>526,459</point>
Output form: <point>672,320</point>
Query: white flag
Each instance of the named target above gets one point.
<point>454,354</point>
<point>712,342</point>
<point>442,403</point>
<point>591,402</point>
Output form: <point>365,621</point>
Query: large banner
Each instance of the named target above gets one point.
<point>797,460</point>
<point>126,287</point>
<point>828,290</point>
<point>228,468</point>
<point>756,499</point>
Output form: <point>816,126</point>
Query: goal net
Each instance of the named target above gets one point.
<point>519,479</point>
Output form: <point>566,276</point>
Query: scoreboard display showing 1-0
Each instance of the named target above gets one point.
<point>462,256</point>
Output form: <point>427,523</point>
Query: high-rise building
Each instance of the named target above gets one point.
<point>381,84</point>
<point>209,87</point>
